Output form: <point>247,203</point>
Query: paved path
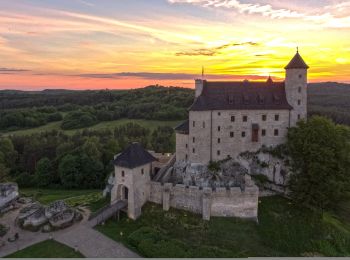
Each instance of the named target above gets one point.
<point>89,242</point>
<point>26,238</point>
<point>93,244</point>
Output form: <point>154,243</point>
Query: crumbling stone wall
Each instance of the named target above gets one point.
<point>232,202</point>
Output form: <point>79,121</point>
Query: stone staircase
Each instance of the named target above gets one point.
<point>165,169</point>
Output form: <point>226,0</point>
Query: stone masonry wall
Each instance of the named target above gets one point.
<point>210,132</point>
<point>220,202</point>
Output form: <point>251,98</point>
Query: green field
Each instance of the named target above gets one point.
<point>284,229</point>
<point>150,124</point>
<point>47,249</point>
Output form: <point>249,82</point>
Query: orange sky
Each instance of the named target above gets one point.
<point>90,44</point>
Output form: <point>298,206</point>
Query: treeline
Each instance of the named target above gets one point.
<point>330,99</point>
<point>86,108</point>
<point>28,118</point>
<point>83,160</point>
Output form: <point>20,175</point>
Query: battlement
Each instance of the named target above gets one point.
<point>221,201</point>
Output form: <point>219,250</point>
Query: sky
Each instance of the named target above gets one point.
<point>120,44</point>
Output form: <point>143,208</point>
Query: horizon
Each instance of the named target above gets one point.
<point>90,44</point>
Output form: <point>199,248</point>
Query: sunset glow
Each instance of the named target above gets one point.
<point>118,44</point>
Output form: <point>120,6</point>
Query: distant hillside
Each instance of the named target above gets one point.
<point>330,99</point>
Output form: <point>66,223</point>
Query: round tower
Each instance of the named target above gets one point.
<point>296,88</point>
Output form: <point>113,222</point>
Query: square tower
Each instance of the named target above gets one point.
<point>132,169</point>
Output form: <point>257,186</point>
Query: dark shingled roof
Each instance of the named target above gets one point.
<point>183,127</point>
<point>134,156</point>
<point>241,95</point>
<point>297,63</point>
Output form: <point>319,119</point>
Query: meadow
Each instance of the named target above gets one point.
<point>149,124</point>
<point>283,229</point>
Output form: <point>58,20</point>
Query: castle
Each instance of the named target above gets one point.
<point>228,118</point>
<point>225,120</point>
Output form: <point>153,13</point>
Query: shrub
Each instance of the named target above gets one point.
<point>144,233</point>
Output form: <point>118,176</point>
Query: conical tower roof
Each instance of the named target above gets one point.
<point>297,63</point>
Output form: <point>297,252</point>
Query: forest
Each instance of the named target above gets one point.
<point>83,159</point>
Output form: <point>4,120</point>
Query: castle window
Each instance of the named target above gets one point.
<point>219,128</point>
<point>263,117</point>
<point>275,132</point>
<point>123,173</point>
<point>194,139</point>
<point>233,118</point>
<point>219,114</point>
<point>300,76</point>
<point>263,132</point>
<point>230,99</point>
<point>243,134</point>
<point>277,117</point>
<point>193,150</point>
<point>299,116</point>
<point>219,140</point>
<point>260,99</point>
<point>218,152</point>
<point>142,171</point>
<point>186,157</point>
<point>203,124</point>
<point>232,134</point>
<point>245,99</point>
<point>299,89</point>
<point>186,145</point>
<point>245,118</point>
<point>276,99</point>
<point>194,123</point>
<point>299,102</point>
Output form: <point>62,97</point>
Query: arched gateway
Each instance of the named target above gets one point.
<point>133,169</point>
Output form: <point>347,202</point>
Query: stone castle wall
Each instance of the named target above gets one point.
<point>210,133</point>
<point>220,202</point>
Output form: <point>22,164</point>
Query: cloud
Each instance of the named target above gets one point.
<point>12,71</point>
<point>327,16</point>
<point>213,51</point>
<point>166,76</point>
<point>86,3</point>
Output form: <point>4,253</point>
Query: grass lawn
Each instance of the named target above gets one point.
<point>47,249</point>
<point>150,124</point>
<point>284,229</point>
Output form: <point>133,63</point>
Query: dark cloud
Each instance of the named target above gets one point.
<point>213,51</point>
<point>11,71</point>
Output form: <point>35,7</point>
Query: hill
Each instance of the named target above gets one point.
<point>330,99</point>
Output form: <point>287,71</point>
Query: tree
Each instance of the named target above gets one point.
<point>92,171</point>
<point>163,139</point>
<point>69,171</point>
<point>320,161</point>
<point>3,173</point>
<point>43,173</point>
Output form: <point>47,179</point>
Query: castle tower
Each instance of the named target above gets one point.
<point>132,169</point>
<point>296,88</point>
